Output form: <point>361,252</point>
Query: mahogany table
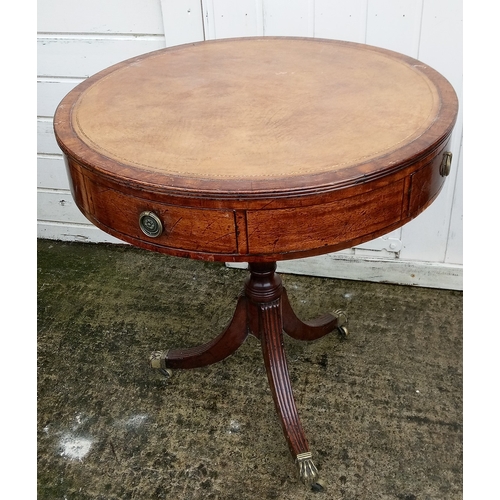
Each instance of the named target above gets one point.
<point>256,150</point>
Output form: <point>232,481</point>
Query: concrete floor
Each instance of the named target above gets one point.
<point>382,410</point>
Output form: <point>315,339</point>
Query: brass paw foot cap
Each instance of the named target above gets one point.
<point>308,473</point>
<point>341,317</point>
<point>157,360</point>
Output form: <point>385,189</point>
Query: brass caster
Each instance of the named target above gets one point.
<point>341,322</point>
<point>344,332</point>
<point>318,486</point>
<point>166,372</point>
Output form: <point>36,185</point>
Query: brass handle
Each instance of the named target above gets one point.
<point>150,224</point>
<point>445,166</point>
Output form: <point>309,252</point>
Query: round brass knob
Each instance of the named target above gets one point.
<point>150,224</point>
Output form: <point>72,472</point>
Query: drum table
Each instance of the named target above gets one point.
<point>257,150</point>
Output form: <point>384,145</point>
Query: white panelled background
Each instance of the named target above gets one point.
<point>76,39</point>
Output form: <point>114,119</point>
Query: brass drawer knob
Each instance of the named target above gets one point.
<point>150,224</point>
<point>445,167</point>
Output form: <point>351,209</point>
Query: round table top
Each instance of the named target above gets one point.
<point>250,117</point>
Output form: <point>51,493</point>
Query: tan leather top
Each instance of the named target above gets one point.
<point>256,108</point>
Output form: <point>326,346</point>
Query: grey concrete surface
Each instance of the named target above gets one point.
<point>382,410</point>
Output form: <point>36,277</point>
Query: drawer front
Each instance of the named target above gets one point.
<point>426,184</point>
<point>330,224</point>
<point>190,229</point>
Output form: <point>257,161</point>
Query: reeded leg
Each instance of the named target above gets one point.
<point>216,350</point>
<point>310,330</point>
<point>279,380</point>
<point>264,290</point>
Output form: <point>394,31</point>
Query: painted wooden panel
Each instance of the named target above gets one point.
<point>182,21</point>
<point>50,93</point>
<point>441,39</point>
<point>288,17</point>
<point>340,19</point>
<point>454,242</point>
<point>98,16</point>
<point>228,19</point>
<point>416,273</point>
<point>70,231</point>
<point>51,172</point>
<point>394,25</point>
<point>83,56</point>
<point>58,206</point>
<point>390,244</point>
<point>46,140</point>
<point>365,268</point>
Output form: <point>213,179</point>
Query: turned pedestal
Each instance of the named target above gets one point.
<point>263,310</point>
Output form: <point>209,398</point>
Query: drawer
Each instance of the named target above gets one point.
<point>327,225</point>
<point>426,184</point>
<point>183,228</point>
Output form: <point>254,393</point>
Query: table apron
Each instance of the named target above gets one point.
<point>236,234</point>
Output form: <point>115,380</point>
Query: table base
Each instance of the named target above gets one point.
<point>264,311</point>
